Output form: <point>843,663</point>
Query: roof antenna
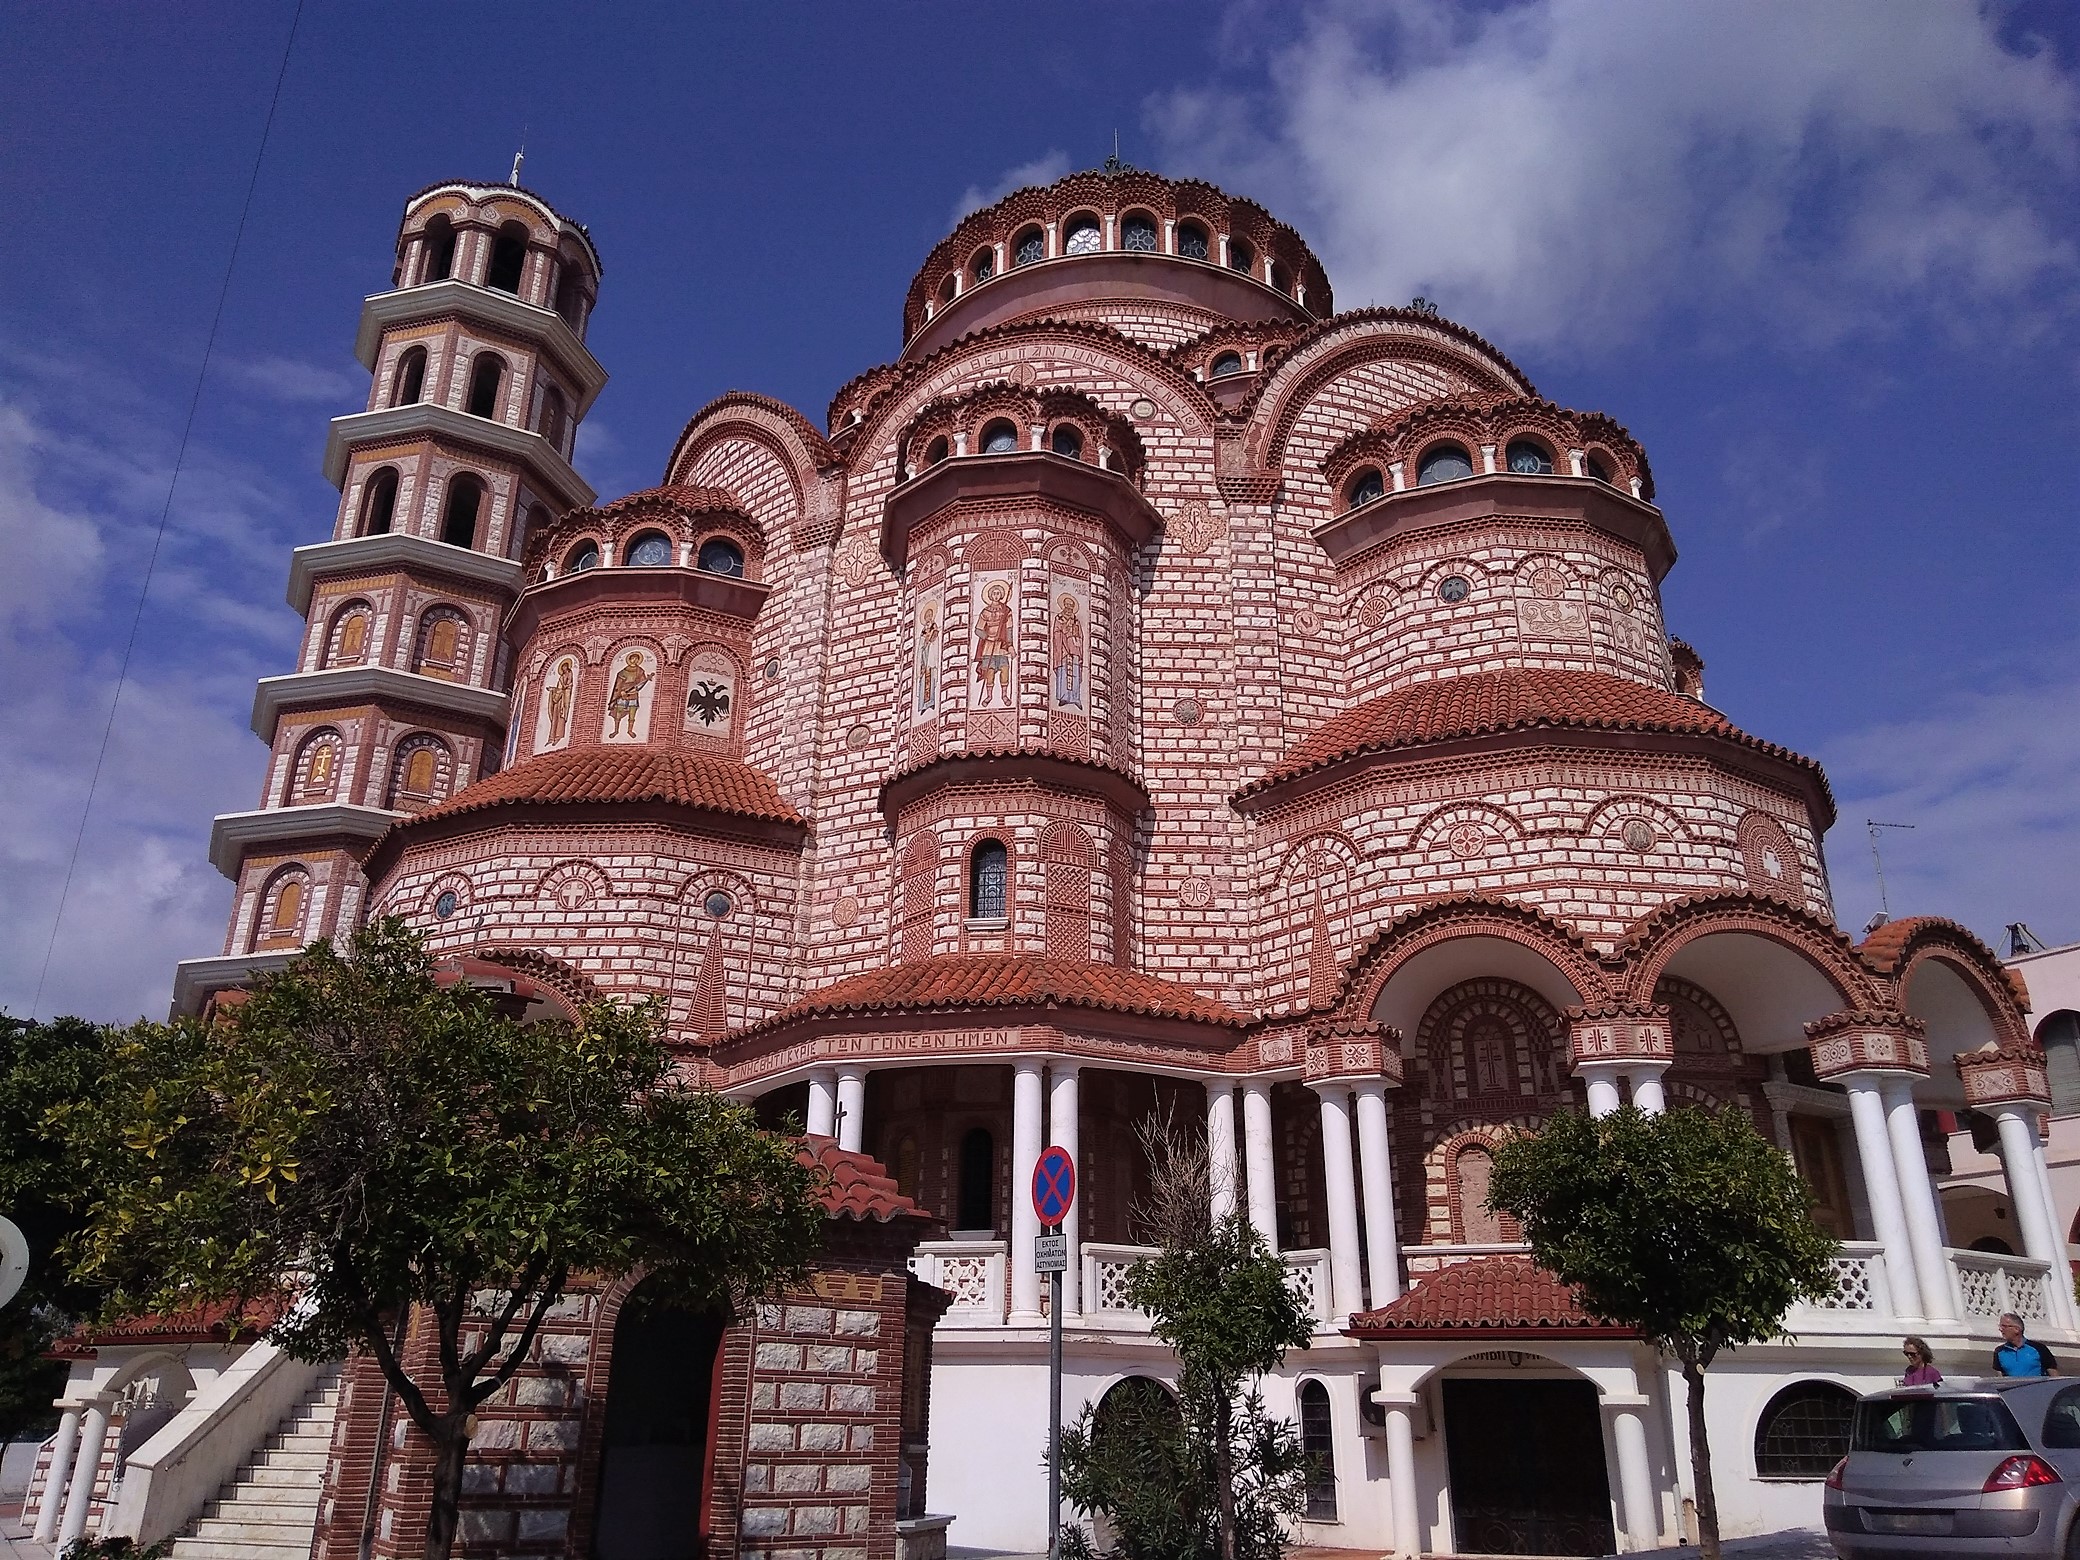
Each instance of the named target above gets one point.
<point>1871,827</point>
<point>1112,163</point>
<point>2022,940</point>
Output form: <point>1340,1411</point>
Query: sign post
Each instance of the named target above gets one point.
<point>1054,1194</point>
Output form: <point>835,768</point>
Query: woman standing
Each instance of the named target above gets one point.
<point>1921,1365</point>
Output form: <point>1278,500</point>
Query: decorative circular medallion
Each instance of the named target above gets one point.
<point>1547,584</point>
<point>1143,407</point>
<point>773,669</point>
<point>446,905</point>
<point>1621,598</point>
<point>450,896</point>
<point>1197,893</point>
<point>1468,839</point>
<point>1639,835</point>
<point>1372,609</point>
<point>859,736</point>
<point>845,913</point>
<point>1187,712</point>
<point>1308,621</point>
<point>1453,587</point>
<point>856,563</point>
<point>718,904</point>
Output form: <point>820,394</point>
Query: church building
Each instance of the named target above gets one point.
<point>1151,691</point>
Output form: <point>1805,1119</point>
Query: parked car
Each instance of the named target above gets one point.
<point>1968,1468</point>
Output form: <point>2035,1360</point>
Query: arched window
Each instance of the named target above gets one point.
<point>570,296</point>
<point>1191,241</point>
<point>459,517</point>
<point>651,550</point>
<point>2059,1035</point>
<point>349,643</point>
<point>1227,363</point>
<point>379,502</point>
<point>999,438</point>
<point>1318,1442</point>
<point>989,882</point>
<point>935,451</point>
<point>1479,1225</point>
<point>1029,246</point>
<point>1282,279</point>
<point>443,642</point>
<point>1804,1431</point>
<point>975,1198</point>
<point>317,767</point>
<point>583,556</point>
<point>508,258</point>
<point>1365,487</point>
<point>281,911</point>
<point>537,517</point>
<point>1240,256</point>
<point>720,555</point>
<point>416,775</point>
<point>1598,469</point>
<point>485,376</point>
<point>1527,459</point>
<point>1444,463</point>
<point>1083,236</point>
<point>1138,233</point>
<point>554,412</point>
<point>410,384</point>
<point>437,245</point>
<point>1065,440</point>
<point>984,265</point>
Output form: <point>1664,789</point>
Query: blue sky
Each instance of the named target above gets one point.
<point>1822,259</point>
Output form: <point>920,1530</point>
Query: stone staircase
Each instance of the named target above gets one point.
<point>268,1509</point>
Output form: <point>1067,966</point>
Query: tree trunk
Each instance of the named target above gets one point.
<point>1224,1472</point>
<point>1701,1460</point>
<point>450,1450</point>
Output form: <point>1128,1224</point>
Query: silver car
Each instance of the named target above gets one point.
<point>1974,1468</point>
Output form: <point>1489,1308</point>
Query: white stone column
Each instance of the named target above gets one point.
<point>1025,1224</point>
<point>85,1465</point>
<point>1220,1146</point>
<point>58,1475</point>
<point>1917,1197</point>
<point>1881,1190</point>
<point>1646,1087</point>
<point>2061,1279</point>
<point>852,1107</point>
<point>823,1102</point>
<point>2029,1192</point>
<point>1635,1475</point>
<point>1061,1133</point>
<point>1600,1082</point>
<point>1345,1275</point>
<point>1401,1474</point>
<point>1376,1176</point>
<point>1256,1155</point>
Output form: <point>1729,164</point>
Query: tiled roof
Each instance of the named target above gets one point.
<point>856,1186</point>
<point>955,980</point>
<point>1488,1294</point>
<point>205,1324</point>
<point>629,775</point>
<point>1516,699</point>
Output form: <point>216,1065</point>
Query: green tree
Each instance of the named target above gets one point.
<point>41,1065</point>
<point>1210,1476</point>
<point>356,1139</point>
<point>1688,1227</point>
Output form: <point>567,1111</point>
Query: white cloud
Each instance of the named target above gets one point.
<point>1556,170</point>
<point>49,556</point>
<point>295,382</point>
<point>1044,169</point>
<point>1987,780</point>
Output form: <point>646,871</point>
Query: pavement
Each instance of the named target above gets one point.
<point>1795,1544</point>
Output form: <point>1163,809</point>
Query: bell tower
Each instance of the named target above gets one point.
<point>480,377</point>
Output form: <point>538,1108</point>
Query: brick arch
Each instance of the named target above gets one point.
<point>1898,948</point>
<point>804,454</point>
<point>1470,915</point>
<point>1446,1221</point>
<point>572,985</point>
<point>1655,939</point>
<point>1465,1080</point>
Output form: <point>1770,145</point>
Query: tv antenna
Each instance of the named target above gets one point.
<point>1871,827</point>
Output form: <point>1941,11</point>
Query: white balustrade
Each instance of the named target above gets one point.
<point>1988,1284</point>
<point>1309,1274</point>
<point>1105,1269</point>
<point>972,1271</point>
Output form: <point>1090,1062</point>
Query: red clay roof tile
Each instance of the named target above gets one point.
<point>1006,980</point>
<point>856,1186</point>
<point>1515,699</point>
<point>631,775</point>
<point>1498,1294</point>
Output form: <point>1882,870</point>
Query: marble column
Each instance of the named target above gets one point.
<point>1026,1094</point>
<point>1881,1190</point>
<point>1345,1274</point>
<point>1220,1146</point>
<point>1917,1197</point>
<point>1376,1176</point>
<point>1635,1476</point>
<point>1401,1473</point>
<point>852,1107</point>
<point>1646,1088</point>
<point>823,1102</point>
<point>1601,1085</point>
<point>86,1465</point>
<point>1257,1159</point>
<point>1061,1133</point>
<point>58,1475</point>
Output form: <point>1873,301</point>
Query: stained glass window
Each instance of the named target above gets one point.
<point>1029,246</point>
<point>1453,587</point>
<point>1240,256</point>
<point>1528,460</point>
<point>1138,233</point>
<point>1446,463</point>
<point>720,555</point>
<point>651,551</point>
<point>1191,241</point>
<point>1368,486</point>
<point>1226,363</point>
<point>583,556</point>
<point>717,904</point>
<point>446,905</point>
<point>999,438</point>
<point>989,881</point>
<point>1083,237</point>
<point>985,265</point>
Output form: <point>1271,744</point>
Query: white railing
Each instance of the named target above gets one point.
<point>1861,1296</point>
<point>972,1271</point>
<point>1308,1273</point>
<point>1988,1284</point>
<point>1105,1269</point>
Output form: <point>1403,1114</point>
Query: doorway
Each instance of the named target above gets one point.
<point>1526,1465</point>
<point>653,1475</point>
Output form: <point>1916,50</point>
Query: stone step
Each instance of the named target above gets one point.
<point>276,1478</point>
<point>259,1527</point>
<point>313,1440</point>
<point>275,1457</point>
<point>234,1500</point>
<point>225,1549</point>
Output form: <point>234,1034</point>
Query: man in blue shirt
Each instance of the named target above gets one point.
<point>2017,1355</point>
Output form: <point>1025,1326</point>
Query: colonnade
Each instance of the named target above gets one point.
<point>68,1487</point>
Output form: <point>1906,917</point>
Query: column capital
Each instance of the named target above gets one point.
<point>1868,1042</point>
<point>1622,1032</point>
<point>1997,1075</point>
<point>1352,1053</point>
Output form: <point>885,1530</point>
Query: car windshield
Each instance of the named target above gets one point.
<point>1936,1425</point>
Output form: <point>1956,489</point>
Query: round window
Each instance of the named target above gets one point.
<point>717,904</point>
<point>583,556</point>
<point>446,905</point>
<point>652,550</point>
<point>1083,237</point>
<point>720,555</point>
<point>1528,460</point>
<point>1453,587</point>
